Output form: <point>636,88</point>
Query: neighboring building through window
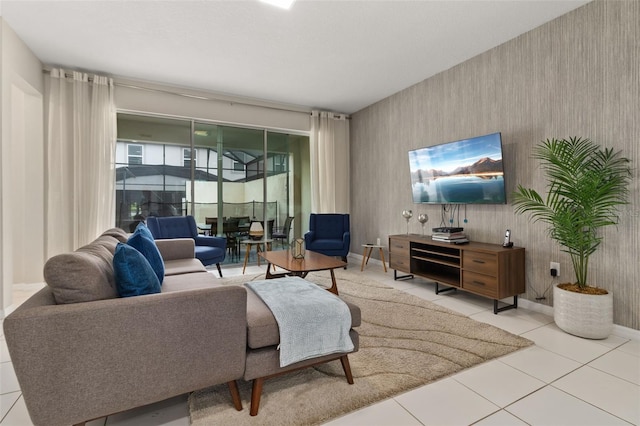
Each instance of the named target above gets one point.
<point>279,163</point>
<point>186,157</point>
<point>238,166</point>
<point>134,154</point>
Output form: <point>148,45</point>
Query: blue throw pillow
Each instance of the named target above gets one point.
<point>144,230</point>
<point>133,273</point>
<point>143,241</point>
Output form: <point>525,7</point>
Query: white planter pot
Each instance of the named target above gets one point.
<point>583,315</point>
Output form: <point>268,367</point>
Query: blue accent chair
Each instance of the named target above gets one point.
<point>329,234</point>
<point>209,250</point>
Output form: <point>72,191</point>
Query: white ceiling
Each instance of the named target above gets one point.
<point>335,55</point>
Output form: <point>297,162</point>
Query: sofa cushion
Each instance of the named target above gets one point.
<point>326,244</point>
<point>84,275</point>
<point>143,241</point>
<point>262,328</point>
<point>190,281</point>
<point>80,277</point>
<point>117,233</point>
<point>208,252</point>
<point>183,266</point>
<point>134,275</point>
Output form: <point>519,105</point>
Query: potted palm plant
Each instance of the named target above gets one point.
<point>586,186</point>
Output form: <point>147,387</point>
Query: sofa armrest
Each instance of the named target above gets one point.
<point>309,236</point>
<point>219,242</point>
<point>346,238</point>
<point>176,248</point>
<point>82,361</point>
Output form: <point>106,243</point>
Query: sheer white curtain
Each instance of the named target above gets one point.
<point>329,163</point>
<point>80,150</point>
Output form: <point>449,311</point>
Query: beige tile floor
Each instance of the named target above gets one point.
<point>561,380</point>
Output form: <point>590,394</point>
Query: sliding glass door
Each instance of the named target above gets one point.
<point>225,176</point>
<point>151,169</point>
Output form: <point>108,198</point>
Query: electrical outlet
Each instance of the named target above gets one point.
<point>556,266</point>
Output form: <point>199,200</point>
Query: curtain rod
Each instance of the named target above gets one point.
<point>209,98</point>
<point>204,98</point>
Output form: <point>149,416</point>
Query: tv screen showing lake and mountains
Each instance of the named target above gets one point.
<point>468,171</point>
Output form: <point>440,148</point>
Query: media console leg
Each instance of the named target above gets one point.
<point>514,305</point>
<point>401,277</point>
<point>444,290</point>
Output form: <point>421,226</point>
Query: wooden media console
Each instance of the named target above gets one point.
<point>488,270</point>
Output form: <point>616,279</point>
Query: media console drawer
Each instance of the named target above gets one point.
<point>399,254</point>
<point>488,270</point>
<point>400,263</point>
<point>485,263</point>
<point>481,284</point>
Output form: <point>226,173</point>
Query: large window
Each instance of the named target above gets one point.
<point>239,174</point>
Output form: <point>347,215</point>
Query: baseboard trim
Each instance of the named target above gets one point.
<point>618,330</point>
<point>535,306</point>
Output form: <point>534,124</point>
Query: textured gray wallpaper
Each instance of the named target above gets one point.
<point>578,75</point>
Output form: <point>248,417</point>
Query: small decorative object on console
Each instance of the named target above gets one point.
<point>297,248</point>
<point>407,214</point>
<point>457,237</point>
<point>507,239</point>
<point>423,218</point>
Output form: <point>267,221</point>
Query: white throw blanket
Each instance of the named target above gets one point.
<point>312,321</point>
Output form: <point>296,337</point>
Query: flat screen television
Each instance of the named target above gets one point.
<point>467,171</point>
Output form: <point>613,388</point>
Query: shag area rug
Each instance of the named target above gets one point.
<point>405,342</point>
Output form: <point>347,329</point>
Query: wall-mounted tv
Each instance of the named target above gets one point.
<point>467,171</point>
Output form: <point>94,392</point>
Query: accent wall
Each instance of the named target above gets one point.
<point>578,75</point>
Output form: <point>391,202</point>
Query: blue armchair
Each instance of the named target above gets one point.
<point>329,234</point>
<point>209,250</point>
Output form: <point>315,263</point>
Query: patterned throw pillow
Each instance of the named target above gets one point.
<point>143,241</point>
<point>133,273</point>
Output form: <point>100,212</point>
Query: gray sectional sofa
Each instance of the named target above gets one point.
<point>80,352</point>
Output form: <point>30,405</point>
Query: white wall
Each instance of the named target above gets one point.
<point>22,210</point>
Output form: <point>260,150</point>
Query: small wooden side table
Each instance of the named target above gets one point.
<point>368,248</point>
<point>258,244</point>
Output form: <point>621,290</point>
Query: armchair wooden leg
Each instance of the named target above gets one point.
<point>219,270</point>
<point>235,395</point>
<point>347,368</point>
<point>256,392</point>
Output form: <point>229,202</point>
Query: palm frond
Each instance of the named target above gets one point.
<point>585,186</point>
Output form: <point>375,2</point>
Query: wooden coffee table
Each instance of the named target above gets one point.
<point>311,262</point>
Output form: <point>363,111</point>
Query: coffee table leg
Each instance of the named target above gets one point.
<point>269,248</point>
<point>334,286</point>
<point>268,276</point>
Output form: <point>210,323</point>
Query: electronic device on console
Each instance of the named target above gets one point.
<point>507,239</point>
